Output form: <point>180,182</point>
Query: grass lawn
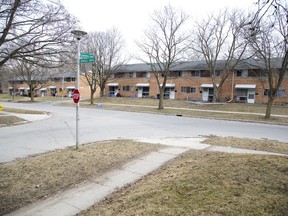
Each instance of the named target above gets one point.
<point>29,179</point>
<point>196,183</point>
<point>203,183</point>
<point>244,112</point>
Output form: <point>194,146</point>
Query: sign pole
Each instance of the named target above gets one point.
<point>77,86</point>
<point>78,34</point>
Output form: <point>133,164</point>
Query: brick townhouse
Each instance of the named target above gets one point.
<point>191,80</point>
<point>188,80</point>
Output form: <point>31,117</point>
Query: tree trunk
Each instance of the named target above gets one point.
<point>92,97</point>
<point>216,95</point>
<point>161,99</point>
<point>269,107</point>
<point>32,95</point>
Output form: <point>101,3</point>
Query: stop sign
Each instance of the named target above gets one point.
<point>76,96</point>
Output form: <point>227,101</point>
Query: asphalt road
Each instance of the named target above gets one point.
<point>59,130</point>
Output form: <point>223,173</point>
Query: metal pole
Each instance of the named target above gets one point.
<point>77,86</point>
<point>62,92</point>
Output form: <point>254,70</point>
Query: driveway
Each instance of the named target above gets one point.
<point>59,130</point>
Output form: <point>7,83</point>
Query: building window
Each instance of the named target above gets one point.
<point>187,89</point>
<point>280,92</point>
<point>241,73</point>
<point>120,75</point>
<point>127,88</point>
<point>195,73</point>
<point>217,73</point>
<point>141,74</point>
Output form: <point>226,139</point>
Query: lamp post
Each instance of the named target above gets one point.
<point>78,35</point>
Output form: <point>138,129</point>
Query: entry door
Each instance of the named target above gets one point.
<point>172,93</point>
<point>251,96</point>
<point>205,94</point>
<point>140,92</point>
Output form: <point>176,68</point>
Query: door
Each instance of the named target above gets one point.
<point>140,92</point>
<point>205,94</point>
<point>172,93</point>
<point>251,96</point>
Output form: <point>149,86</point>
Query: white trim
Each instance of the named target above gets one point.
<point>43,89</point>
<point>70,87</point>
<point>10,87</point>
<point>208,85</point>
<point>21,88</point>
<point>168,85</point>
<point>52,87</point>
<point>142,85</point>
<point>112,84</point>
<point>243,86</point>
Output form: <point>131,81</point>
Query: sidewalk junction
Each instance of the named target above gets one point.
<point>86,194</point>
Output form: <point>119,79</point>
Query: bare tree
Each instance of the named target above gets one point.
<point>164,45</point>
<point>33,75</point>
<point>107,48</point>
<point>268,37</point>
<point>33,28</point>
<point>220,37</point>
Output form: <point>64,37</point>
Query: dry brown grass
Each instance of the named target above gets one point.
<point>188,109</point>
<point>9,120</point>
<point>245,143</point>
<point>27,180</point>
<point>202,183</point>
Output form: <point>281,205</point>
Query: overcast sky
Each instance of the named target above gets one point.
<point>131,17</point>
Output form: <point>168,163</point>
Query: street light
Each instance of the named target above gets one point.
<point>78,35</point>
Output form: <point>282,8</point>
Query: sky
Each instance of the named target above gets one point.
<point>131,17</point>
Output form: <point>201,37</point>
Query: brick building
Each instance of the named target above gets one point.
<point>191,80</point>
<point>188,80</point>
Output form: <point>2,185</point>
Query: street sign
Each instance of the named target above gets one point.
<point>86,55</point>
<point>76,96</point>
<point>86,58</point>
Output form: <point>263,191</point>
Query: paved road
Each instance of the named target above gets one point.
<point>98,124</point>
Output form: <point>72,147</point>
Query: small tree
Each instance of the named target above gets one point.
<point>164,44</point>
<point>33,75</point>
<point>107,47</point>
<point>219,37</point>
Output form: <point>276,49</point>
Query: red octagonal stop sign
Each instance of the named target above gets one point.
<point>76,96</point>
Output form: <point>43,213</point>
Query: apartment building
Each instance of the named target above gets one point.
<point>186,81</point>
<point>192,81</point>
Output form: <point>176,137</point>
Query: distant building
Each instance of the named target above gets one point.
<point>187,81</point>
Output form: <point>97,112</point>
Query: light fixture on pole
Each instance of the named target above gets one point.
<point>78,35</point>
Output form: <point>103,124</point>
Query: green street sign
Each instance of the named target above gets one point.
<point>90,60</point>
<point>86,56</point>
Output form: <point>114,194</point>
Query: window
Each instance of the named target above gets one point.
<point>280,93</point>
<point>195,73</point>
<point>127,88</point>
<point>120,75</point>
<point>241,73</point>
<point>141,74</point>
<point>217,73</point>
<point>186,89</point>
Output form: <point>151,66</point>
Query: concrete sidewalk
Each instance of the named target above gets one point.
<point>84,195</point>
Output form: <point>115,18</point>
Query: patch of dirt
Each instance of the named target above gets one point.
<point>27,180</point>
